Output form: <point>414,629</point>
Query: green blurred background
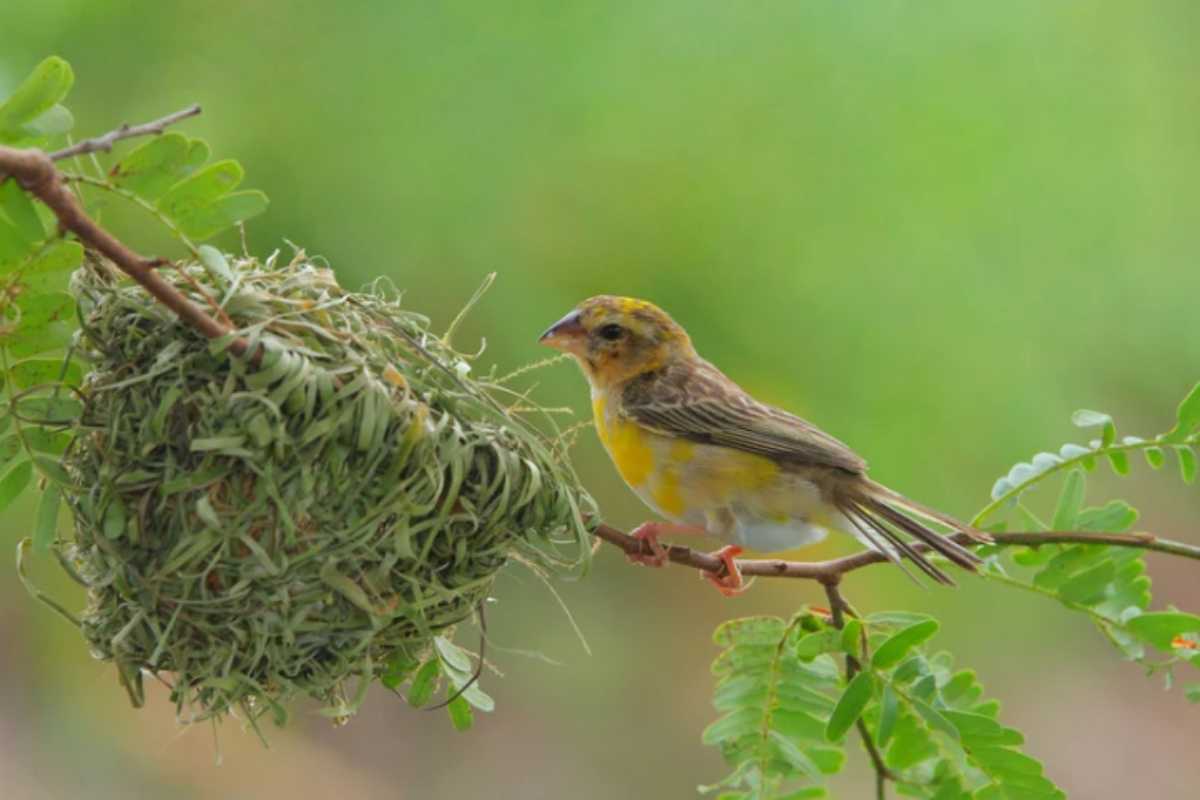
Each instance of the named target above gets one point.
<point>933,228</point>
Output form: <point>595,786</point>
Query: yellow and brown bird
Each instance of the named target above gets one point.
<point>703,453</point>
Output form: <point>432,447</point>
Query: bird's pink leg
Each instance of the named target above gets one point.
<point>649,532</point>
<point>730,583</point>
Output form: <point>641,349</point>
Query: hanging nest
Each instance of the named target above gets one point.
<point>251,532</point>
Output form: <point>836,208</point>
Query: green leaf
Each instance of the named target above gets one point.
<point>977,730</point>
<point>116,519</point>
<point>222,213</point>
<point>1070,500</point>
<point>743,722</point>
<point>1006,761</point>
<point>16,205</point>
<point>889,706</point>
<point>1088,586</point>
<point>46,527</point>
<point>44,308</point>
<point>962,690</point>
<point>749,630</point>
<point>44,440</point>
<point>49,410</point>
<point>911,744</point>
<point>1154,457</point>
<point>1192,693</point>
<point>398,667</point>
<point>796,757</point>
<point>460,714</point>
<point>154,167</point>
<point>852,638</point>
<point>452,655</point>
<point>10,448</point>
<point>1120,461</point>
<point>775,705</point>
<point>12,484</point>
<point>1001,487</point>
<point>13,246</point>
<point>926,687</point>
<point>807,793</point>
<point>475,696</point>
<point>933,718</point>
<point>1116,516</point>
<point>895,619</point>
<point>1187,416</point>
<point>850,706</point>
<point>40,371</point>
<point>897,646</point>
<point>214,261</point>
<point>41,91</point>
<point>1187,463</point>
<point>197,154</point>
<point>56,121</point>
<point>50,270</point>
<point>201,189</point>
<point>1085,418</point>
<point>815,644</point>
<point>1160,628</point>
<point>52,468</point>
<point>423,684</point>
<point>46,324</point>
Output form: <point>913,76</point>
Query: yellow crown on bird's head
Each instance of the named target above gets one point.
<point>615,338</point>
<point>640,315</point>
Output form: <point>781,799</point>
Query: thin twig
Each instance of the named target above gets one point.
<point>838,608</point>
<point>103,144</point>
<point>36,173</point>
<point>833,569</point>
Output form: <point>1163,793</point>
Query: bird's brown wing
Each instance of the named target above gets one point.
<point>695,401</point>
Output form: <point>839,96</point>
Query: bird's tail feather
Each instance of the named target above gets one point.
<point>893,498</point>
<point>881,516</point>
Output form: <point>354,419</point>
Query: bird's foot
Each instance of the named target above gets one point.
<point>648,532</point>
<point>728,583</point>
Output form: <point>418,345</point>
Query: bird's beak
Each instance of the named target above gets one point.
<point>567,334</point>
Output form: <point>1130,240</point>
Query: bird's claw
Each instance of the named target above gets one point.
<point>728,583</point>
<point>648,532</point>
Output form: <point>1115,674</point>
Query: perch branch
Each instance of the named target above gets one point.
<point>105,143</point>
<point>831,571</point>
<point>34,170</point>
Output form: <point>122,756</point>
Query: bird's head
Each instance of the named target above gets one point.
<point>618,338</point>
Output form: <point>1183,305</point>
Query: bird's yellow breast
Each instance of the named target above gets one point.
<point>627,443</point>
<point>675,475</point>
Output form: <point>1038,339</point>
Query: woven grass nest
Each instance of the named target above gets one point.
<point>252,532</point>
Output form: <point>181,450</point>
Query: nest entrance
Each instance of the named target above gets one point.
<point>280,529</point>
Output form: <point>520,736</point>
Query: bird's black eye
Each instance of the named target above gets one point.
<point>611,332</point>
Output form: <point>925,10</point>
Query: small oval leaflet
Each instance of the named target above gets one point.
<point>897,646</point>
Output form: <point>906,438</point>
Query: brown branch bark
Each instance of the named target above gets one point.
<point>831,571</point>
<point>105,143</point>
<point>36,173</point>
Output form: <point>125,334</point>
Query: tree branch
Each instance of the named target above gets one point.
<point>36,173</point>
<point>105,143</point>
<point>831,571</point>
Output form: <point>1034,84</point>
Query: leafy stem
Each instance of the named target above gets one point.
<point>1080,459</point>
